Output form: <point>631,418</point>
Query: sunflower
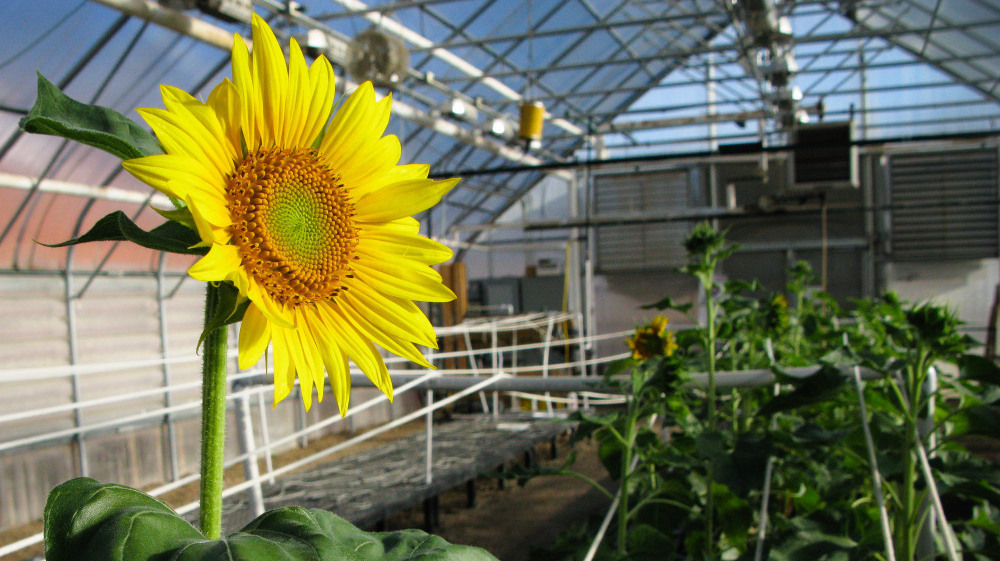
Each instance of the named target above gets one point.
<point>309,217</point>
<point>652,340</point>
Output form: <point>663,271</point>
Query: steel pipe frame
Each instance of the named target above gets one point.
<point>221,38</point>
<point>705,49</point>
<point>566,384</point>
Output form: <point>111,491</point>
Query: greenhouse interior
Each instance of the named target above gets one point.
<point>499,280</point>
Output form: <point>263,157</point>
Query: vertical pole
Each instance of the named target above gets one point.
<point>497,358</point>
<point>168,419</point>
<point>583,356</point>
<point>545,361</point>
<point>303,421</point>
<point>926,546</point>
<point>265,436</point>
<point>890,552</point>
<point>863,79</point>
<point>248,447</point>
<point>429,452</point>
<point>74,358</point>
<point>515,404</point>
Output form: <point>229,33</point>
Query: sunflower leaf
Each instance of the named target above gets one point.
<point>229,310</point>
<point>85,519</point>
<point>170,236</point>
<point>57,114</point>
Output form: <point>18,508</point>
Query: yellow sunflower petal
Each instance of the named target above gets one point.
<point>188,108</point>
<point>323,88</point>
<point>220,262</point>
<point>421,283</point>
<point>354,127</point>
<point>271,79</point>
<point>243,82</point>
<point>272,310</point>
<point>402,199</point>
<point>390,244</point>
<point>225,101</point>
<point>290,341</point>
<point>408,320</point>
<point>208,233</point>
<point>284,370</point>
<point>183,135</point>
<point>362,352</point>
<point>334,360</point>
<point>372,169</point>
<point>382,333</point>
<point>255,334</point>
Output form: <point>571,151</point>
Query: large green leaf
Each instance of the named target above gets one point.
<point>84,519</point>
<point>57,114</point>
<point>821,386</point>
<point>89,521</point>
<point>981,369</point>
<point>169,236</point>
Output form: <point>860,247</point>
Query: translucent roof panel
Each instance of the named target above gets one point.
<point>646,76</point>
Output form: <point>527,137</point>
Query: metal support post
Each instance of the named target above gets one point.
<point>545,360</point>
<point>74,358</point>
<point>429,453</point>
<point>265,436</point>
<point>168,419</point>
<point>248,447</point>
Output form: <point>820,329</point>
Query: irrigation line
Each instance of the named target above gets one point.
<point>890,552</point>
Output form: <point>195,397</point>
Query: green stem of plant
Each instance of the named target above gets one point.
<point>712,417</point>
<point>626,464</point>
<point>213,420</point>
<point>588,481</point>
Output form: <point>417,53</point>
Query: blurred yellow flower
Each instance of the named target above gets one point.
<point>652,340</point>
<point>310,221</point>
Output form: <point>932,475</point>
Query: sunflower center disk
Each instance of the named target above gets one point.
<point>293,223</point>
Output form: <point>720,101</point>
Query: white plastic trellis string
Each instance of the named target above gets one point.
<point>890,552</point>
<point>765,500</point>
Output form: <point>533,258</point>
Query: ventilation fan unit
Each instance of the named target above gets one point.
<point>824,156</point>
<point>379,57</point>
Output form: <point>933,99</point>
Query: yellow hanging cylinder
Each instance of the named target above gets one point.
<point>532,117</point>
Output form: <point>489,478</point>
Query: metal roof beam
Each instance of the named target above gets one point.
<point>216,36</point>
<point>448,57</point>
<point>729,47</point>
<point>101,192</point>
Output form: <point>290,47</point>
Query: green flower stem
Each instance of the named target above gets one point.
<point>623,509</point>
<point>213,419</point>
<point>712,414</point>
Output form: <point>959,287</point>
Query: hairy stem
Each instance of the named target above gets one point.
<point>213,420</point>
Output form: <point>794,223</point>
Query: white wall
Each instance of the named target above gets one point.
<point>966,286</point>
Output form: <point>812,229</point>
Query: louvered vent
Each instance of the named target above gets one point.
<point>944,205</point>
<point>641,247</point>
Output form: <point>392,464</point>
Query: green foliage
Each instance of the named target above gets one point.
<point>170,236</point>
<point>57,114</point>
<point>87,520</point>
<point>710,458</point>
